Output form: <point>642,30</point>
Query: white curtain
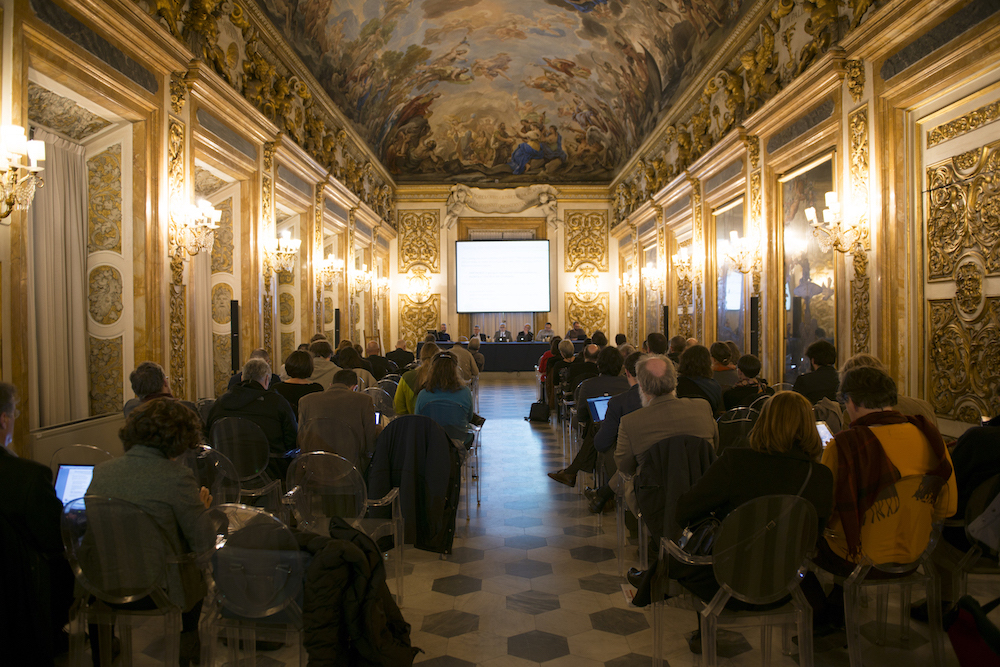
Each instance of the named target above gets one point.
<point>57,296</point>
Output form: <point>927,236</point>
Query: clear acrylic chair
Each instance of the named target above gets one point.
<point>213,470</point>
<point>244,443</point>
<point>119,555</point>
<point>322,485</point>
<point>205,406</point>
<point>258,572</point>
<point>78,455</point>
<point>453,418</point>
<point>757,558</point>
<point>734,427</point>
<point>625,481</point>
<point>980,558</point>
<point>383,401</point>
<point>330,434</point>
<point>389,385</point>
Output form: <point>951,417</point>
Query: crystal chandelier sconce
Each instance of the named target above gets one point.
<point>18,182</point>
<point>630,283</point>
<point>743,254</point>
<point>418,285</point>
<point>362,280</point>
<point>195,228</point>
<point>654,279</point>
<point>683,264</point>
<point>833,232</point>
<point>381,287</point>
<point>283,251</point>
<point>329,270</point>
<point>587,285</point>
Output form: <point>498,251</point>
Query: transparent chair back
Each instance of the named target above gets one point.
<point>78,455</point>
<point>383,401</point>
<point>213,470</point>
<point>329,434</point>
<point>389,385</point>
<point>243,443</point>
<point>205,406</point>
<point>735,426</point>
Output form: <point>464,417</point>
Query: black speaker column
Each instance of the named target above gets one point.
<point>234,334</point>
<point>336,327</point>
<point>666,321</point>
<point>755,326</point>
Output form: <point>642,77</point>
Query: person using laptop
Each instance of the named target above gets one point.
<point>502,335</point>
<point>35,578</point>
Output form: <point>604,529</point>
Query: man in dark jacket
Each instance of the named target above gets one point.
<point>401,355</point>
<point>380,365</point>
<point>824,380</point>
<point>578,372</point>
<point>35,578</point>
<point>269,410</point>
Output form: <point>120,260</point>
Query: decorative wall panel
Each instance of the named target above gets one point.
<point>178,293</point>
<point>592,315</point>
<point>586,239</point>
<point>222,250</point>
<point>419,240</point>
<point>327,310</point>
<point>222,359</point>
<point>105,294</point>
<point>286,278</point>
<point>106,392</point>
<point>965,355</point>
<point>104,213</point>
<point>964,211</point>
<point>860,286</point>
<point>973,120</point>
<point>222,294</point>
<point>415,318</point>
<point>286,308</point>
<point>698,245</point>
<point>287,344</point>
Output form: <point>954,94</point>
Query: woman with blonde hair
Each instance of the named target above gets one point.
<point>412,382</point>
<point>783,453</point>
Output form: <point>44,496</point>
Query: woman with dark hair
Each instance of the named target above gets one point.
<point>412,381</point>
<point>445,399</point>
<point>543,361</point>
<point>694,377</point>
<point>350,360</point>
<point>298,367</point>
<point>723,365</point>
<point>148,476</point>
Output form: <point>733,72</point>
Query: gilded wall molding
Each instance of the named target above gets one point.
<point>104,287</point>
<point>586,239</point>
<point>175,180</point>
<point>855,76</point>
<point>104,204</point>
<point>964,211</point>
<point>178,340</point>
<point>222,356</point>
<point>223,247</point>
<point>178,91</point>
<point>178,293</point>
<point>861,324</point>
<point>984,115</point>
<point>318,233</point>
<point>964,359</point>
<point>969,288</point>
<point>860,177</point>
<point>287,343</point>
<point>106,375</point>
<point>698,254</point>
<point>415,318</point>
<point>419,240</point>
<point>592,315</point>
<point>267,231</point>
<point>752,142</point>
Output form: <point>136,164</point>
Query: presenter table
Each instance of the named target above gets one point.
<point>508,357</point>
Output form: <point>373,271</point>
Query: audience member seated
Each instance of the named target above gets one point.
<point>607,435</point>
<point>620,339</point>
<point>677,345</point>
<point>748,386</point>
<point>405,400</point>
<point>608,383</point>
<point>552,380</point>
<point>524,336</point>
<point>149,382</point>
<point>467,366</point>
<point>323,367</point>
<point>663,414</point>
<point>576,333</point>
<point>656,343</point>
<point>149,477</point>
<point>445,399</point>
<point>259,353</point>
<point>723,365</point>
<point>599,339</point>
<point>546,334</point>
<point>251,400</point>
<point>476,354</point>
<point>401,356</point>
<point>353,409</point>
<point>625,349</point>
<point>477,333</point>
<point>35,578</point>
<point>695,378</point>
<point>784,446</point>
<point>380,365</point>
<point>298,366</point>
<point>442,334</point>
<point>823,380</point>
<point>904,404</point>
<point>581,370</point>
<point>351,360</point>
<point>502,335</point>
<point>881,447</point>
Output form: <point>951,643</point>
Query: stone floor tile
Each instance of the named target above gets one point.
<point>537,645</point>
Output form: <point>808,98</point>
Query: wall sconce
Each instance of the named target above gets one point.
<point>683,264</point>
<point>832,232</point>
<point>195,226</point>
<point>587,285</point>
<point>653,278</point>
<point>418,285</point>
<point>381,287</point>
<point>329,270</point>
<point>17,188</point>
<point>361,280</point>
<point>743,254</point>
<point>630,282</point>
<point>283,251</point>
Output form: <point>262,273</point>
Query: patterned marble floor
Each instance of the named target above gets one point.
<point>534,578</point>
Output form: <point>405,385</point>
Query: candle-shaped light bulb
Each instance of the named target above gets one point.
<point>831,199</point>
<point>13,139</point>
<point>36,152</point>
<point>811,214</point>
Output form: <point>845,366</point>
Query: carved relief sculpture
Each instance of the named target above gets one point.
<point>964,360</point>
<point>105,294</point>
<point>592,315</point>
<point>419,240</point>
<point>222,249</point>
<point>586,239</point>
<point>178,295</point>
<point>415,318</point>
<point>104,205</point>
<point>973,120</point>
<point>106,375</point>
<point>508,200</point>
<point>855,70</point>
<point>860,286</point>
<point>178,89</point>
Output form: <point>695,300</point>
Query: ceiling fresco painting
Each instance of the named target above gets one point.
<point>496,91</point>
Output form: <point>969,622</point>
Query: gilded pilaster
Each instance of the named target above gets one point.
<point>860,285</point>
<point>350,263</point>
<point>697,256</point>
<point>176,151</point>
<point>661,261</point>
<point>757,229</point>
<point>317,256</point>
<point>267,232</point>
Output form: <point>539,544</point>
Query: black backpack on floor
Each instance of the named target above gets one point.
<point>539,412</point>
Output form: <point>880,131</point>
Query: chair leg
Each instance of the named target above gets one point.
<point>765,644</point>
<point>904,613</point>
<point>657,628</point>
<point>853,622</point>
<point>934,614</point>
<point>881,611</point>
<point>709,650</point>
<point>643,544</point>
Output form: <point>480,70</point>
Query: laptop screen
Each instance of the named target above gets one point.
<point>72,481</point>
<point>598,407</point>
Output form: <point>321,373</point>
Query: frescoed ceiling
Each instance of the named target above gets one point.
<point>503,91</point>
